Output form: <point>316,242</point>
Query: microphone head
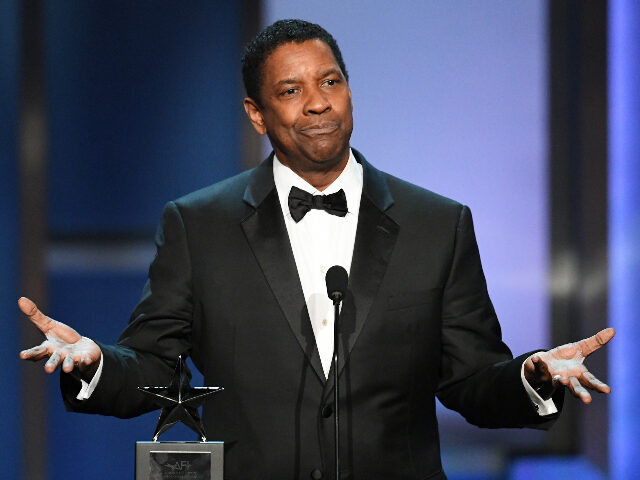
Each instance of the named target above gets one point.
<point>337,279</point>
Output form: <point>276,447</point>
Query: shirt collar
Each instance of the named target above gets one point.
<point>350,180</point>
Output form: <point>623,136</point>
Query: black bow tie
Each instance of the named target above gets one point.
<point>300,202</point>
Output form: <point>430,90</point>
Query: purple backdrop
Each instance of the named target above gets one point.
<point>452,96</point>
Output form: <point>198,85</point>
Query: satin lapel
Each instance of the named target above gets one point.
<point>375,238</point>
<point>267,235</point>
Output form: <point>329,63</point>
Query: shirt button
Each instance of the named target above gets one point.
<point>327,411</point>
<point>324,322</point>
<point>316,474</point>
<point>322,269</point>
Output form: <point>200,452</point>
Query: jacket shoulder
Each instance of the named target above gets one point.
<point>223,192</point>
<point>406,194</point>
<point>221,202</point>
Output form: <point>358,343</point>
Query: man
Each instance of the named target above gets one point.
<point>238,284</point>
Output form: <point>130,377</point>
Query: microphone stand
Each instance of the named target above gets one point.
<point>336,308</point>
<point>337,280</point>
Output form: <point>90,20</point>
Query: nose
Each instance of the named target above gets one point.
<point>316,102</point>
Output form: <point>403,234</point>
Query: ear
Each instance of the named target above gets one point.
<point>255,115</point>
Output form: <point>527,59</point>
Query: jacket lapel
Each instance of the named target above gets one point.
<point>375,238</point>
<point>267,235</point>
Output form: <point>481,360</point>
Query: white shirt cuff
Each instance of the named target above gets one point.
<point>544,407</point>
<point>88,388</point>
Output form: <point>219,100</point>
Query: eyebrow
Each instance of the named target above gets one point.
<point>294,80</point>
<point>331,71</point>
<point>287,81</point>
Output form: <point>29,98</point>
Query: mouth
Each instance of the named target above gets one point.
<point>320,129</point>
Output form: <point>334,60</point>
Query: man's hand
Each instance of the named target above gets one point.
<point>564,366</point>
<point>64,346</point>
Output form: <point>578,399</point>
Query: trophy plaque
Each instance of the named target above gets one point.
<point>201,460</point>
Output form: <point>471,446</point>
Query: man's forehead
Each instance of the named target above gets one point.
<point>312,56</point>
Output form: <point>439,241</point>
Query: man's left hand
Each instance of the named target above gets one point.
<point>564,366</point>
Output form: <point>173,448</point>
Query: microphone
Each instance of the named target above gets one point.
<point>337,279</point>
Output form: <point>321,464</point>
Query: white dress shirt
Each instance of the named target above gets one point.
<point>319,241</point>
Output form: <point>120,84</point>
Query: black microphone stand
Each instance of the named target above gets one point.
<point>336,316</point>
<point>337,280</point>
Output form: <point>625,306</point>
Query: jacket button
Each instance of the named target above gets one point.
<point>327,411</point>
<point>316,474</point>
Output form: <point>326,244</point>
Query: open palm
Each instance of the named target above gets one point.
<point>63,345</point>
<point>564,365</point>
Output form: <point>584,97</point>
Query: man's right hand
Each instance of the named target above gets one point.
<point>64,346</point>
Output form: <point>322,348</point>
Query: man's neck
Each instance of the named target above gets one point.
<point>320,178</point>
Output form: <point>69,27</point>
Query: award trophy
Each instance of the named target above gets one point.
<point>179,460</point>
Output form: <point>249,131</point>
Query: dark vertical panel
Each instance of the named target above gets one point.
<point>10,440</point>
<point>251,142</point>
<point>33,158</point>
<point>578,166</point>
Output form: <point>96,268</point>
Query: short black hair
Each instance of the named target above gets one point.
<point>275,35</point>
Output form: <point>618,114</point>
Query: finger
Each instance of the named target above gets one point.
<point>34,353</point>
<point>578,390</point>
<point>589,380</point>
<point>591,344</point>
<point>86,360</point>
<point>68,363</point>
<point>82,359</point>
<point>53,362</point>
<point>541,369</point>
<point>560,380</point>
<point>46,324</point>
<point>37,351</point>
<point>35,315</point>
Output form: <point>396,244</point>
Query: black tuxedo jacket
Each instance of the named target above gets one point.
<point>416,323</point>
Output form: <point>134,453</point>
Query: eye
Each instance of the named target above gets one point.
<point>289,92</point>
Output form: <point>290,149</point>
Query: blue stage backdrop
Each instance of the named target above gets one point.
<point>144,106</point>
<point>144,103</point>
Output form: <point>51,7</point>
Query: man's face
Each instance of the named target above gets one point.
<point>306,107</point>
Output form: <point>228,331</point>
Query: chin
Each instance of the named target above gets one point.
<point>327,154</point>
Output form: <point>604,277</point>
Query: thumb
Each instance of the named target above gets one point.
<point>39,319</point>
<point>45,324</point>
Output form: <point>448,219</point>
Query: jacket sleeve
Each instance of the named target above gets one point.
<point>159,330</point>
<point>478,376</point>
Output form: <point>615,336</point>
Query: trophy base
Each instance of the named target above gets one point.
<point>179,460</point>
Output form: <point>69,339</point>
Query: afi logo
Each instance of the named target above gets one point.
<point>178,466</point>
